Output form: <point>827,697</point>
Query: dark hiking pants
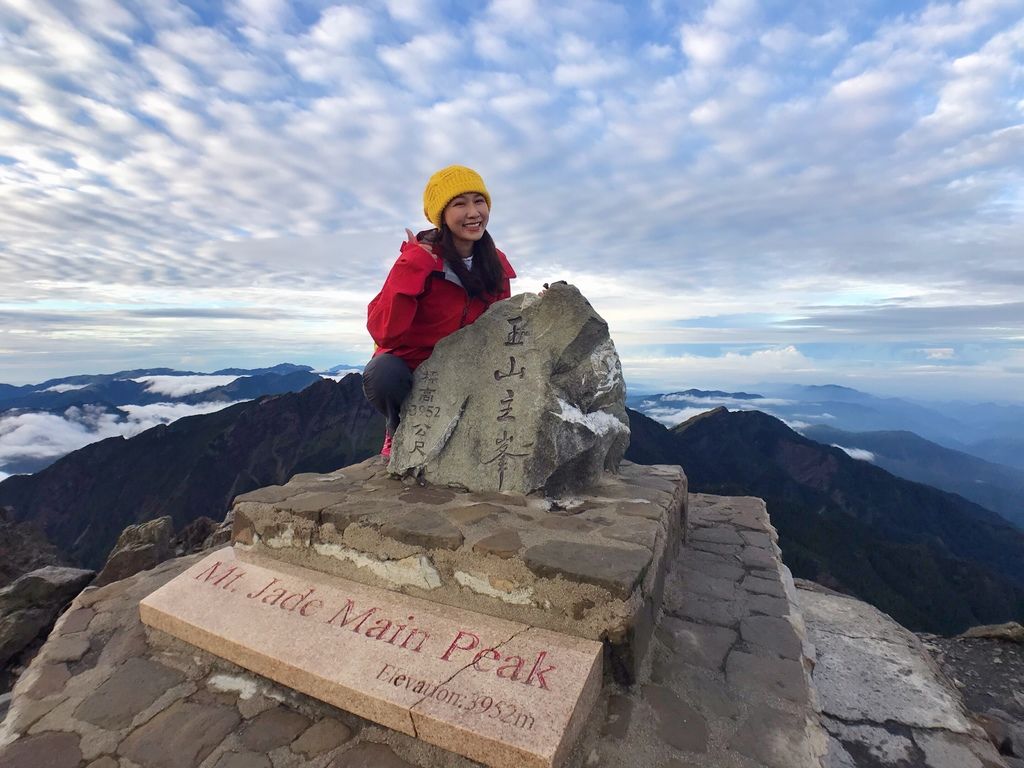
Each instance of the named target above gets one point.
<point>386,383</point>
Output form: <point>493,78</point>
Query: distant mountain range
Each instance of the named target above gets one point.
<point>39,423</point>
<point>145,386</point>
<point>987,471</point>
<point>993,486</point>
<point>933,560</point>
<point>991,431</point>
<point>192,467</point>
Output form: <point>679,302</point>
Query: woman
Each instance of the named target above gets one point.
<point>443,280</point>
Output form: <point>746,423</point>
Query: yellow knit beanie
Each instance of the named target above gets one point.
<point>448,183</point>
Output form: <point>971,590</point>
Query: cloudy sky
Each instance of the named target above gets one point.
<point>814,192</point>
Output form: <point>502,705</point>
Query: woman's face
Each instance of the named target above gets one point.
<point>466,217</point>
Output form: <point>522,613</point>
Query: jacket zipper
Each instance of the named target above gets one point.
<point>465,311</point>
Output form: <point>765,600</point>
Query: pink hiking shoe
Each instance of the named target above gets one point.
<point>385,449</point>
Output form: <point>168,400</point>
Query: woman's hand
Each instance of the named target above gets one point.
<point>411,238</point>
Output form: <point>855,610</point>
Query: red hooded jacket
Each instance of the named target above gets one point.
<point>418,306</point>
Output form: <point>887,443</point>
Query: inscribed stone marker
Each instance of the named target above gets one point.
<point>499,692</point>
<point>528,398</point>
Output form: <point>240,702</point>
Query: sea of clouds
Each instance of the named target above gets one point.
<point>36,437</point>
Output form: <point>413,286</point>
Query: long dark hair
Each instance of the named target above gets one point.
<point>487,274</point>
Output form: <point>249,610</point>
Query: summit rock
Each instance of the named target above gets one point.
<point>528,398</point>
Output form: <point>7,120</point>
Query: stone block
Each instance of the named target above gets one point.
<point>504,543</point>
<point>422,528</point>
<point>132,687</point>
<point>773,635</point>
<point>679,725</point>
<point>50,749</point>
<point>778,739</point>
<point>323,736</point>
<point>493,690</point>
<point>782,677</point>
<point>699,644</point>
<point>181,736</point>
<point>273,728</point>
<point>617,569</point>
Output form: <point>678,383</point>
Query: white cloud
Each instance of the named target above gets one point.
<point>64,387</point>
<point>939,353</point>
<point>180,386</point>
<point>670,417</point>
<point>856,453</point>
<point>687,164</point>
<point>38,435</point>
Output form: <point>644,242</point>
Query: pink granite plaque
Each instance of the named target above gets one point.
<point>499,692</point>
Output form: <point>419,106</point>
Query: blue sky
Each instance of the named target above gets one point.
<point>812,192</point>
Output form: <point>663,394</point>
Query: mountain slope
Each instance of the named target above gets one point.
<point>910,456</point>
<point>931,559</point>
<point>194,466</point>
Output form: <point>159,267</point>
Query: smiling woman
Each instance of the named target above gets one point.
<point>443,280</point>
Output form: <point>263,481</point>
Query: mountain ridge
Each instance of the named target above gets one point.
<point>850,525</point>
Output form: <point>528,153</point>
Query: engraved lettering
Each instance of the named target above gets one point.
<point>274,596</point>
<point>344,615</point>
<point>538,672</point>
<point>299,600</point>
<point>210,572</point>
<point>257,594</point>
<point>505,412</point>
<point>380,626</point>
<point>517,333</point>
<point>504,444</point>
<point>513,669</point>
<point>456,647</point>
<point>412,634</point>
<point>486,652</point>
<point>498,375</point>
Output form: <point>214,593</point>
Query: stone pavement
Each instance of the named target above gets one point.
<point>725,685</point>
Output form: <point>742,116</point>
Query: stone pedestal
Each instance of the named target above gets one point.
<point>590,566</point>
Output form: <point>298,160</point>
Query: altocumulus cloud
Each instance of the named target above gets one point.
<point>822,169</point>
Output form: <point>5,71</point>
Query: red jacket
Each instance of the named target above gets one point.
<point>418,306</point>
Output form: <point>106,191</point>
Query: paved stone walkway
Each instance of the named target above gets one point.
<point>726,684</point>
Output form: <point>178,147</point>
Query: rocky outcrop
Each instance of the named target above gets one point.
<point>884,701</point>
<point>987,669</point>
<point>31,602</point>
<point>1011,632</point>
<point>139,548</point>
<point>528,398</point>
<point>23,548</point>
